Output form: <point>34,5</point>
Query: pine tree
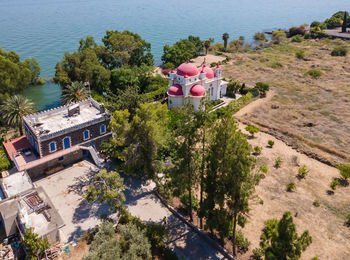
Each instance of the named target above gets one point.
<point>229,181</point>
<point>280,240</point>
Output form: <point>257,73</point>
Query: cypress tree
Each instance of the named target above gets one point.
<point>345,22</point>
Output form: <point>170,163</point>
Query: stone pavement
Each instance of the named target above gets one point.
<point>143,203</point>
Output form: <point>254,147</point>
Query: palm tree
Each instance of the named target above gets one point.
<point>75,92</point>
<point>14,109</point>
<point>207,44</point>
<point>225,37</point>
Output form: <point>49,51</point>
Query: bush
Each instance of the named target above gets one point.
<point>347,220</point>
<point>322,26</point>
<point>4,160</point>
<point>297,38</point>
<point>257,150</point>
<point>168,65</point>
<point>290,186</point>
<point>242,221</point>
<point>334,184</point>
<point>263,168</point>
<point>232,87</point>
<point>333,22</point>
<point>278,36</point>
<point>270,143</point>
<point>303,171</point>
<point>344,171</point>
<point>300,54</point>
<point>296,31</point>
<point>186,202</point>
<point>262,88</point>
<point>241,242</point>
<point>278,162</point>
<point>316,203</point>
<point>157,234</point>
<point>340,51</point>
<point>260,36</point>
<point>258,253</point>
<point>252,130</point>
<point>314,73</point>
<point>276,65</point>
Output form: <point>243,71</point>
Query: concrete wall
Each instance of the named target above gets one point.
<point>77,137</point>
<point>175,101</point>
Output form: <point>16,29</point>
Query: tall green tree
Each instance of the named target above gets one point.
<point>14,109</point>
<point>179,53</point>
<point>34,67</point>
<point>345,22</point>
<point>198,43</point>
<point>125,48</point>
<point>280,240</point>
<point>34,245</point>
<point>225,38</point>
<point>230,183</point>
<point>75,92</point>
<point>207,44</point>
<point>140,139</point>
<point>185,173</point>
<point>107,187</point>
<point>15,75</point>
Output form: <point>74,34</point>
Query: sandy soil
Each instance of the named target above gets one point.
<point>331,239</point>
<point>311,114</point>
<point>209,58</point>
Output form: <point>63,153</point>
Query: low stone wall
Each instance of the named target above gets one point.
<point>212,242</point>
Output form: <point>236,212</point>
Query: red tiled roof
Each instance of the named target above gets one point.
<point>16,144</point>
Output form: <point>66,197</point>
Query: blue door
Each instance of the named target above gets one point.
<point>66,142</point>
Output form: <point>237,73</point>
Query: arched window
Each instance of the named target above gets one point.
<point>86,135</point>
<point>52,147</point>
<point>66,142</point>
<point>102,129</point>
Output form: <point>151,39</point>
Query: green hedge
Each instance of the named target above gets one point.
<point>236,105</point>
<point>4,160</point>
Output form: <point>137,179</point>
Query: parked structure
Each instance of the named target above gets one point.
<point>58,137</point>
<point>189,84</point>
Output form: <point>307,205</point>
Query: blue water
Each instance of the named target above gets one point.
<point>45,29</point>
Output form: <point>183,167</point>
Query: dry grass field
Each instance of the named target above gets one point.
<point>311,114</point>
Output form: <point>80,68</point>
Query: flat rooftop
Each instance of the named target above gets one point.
<point>58,119</point>
<point>16,183</point>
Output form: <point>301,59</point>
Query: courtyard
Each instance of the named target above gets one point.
<point>65,189</point>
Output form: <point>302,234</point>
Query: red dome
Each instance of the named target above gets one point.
<point>197,91</point>
<point>175,90</point>
<point>208,71</point>
<point>188,69</point>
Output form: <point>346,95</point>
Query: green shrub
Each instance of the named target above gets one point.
<point>315,258</point>
<point>294,31</point>
<point>263,168</point>
<point>297,38</point>
<point>4,160</point>
<point>213,64</point>
<point>340,51</point>
<point>321,25</point>
<point>270,143</point>
<point>262,88</point>
<point>232,87</point>
<point>276,65</point>
<point>242,221</point>
<point>334,184</point>
<point>278,36</point>
<point>333,22</point>
<point>314,73</point>
<point>242,242</point>
<point>347,219</point>
<point>278,162</point>
<point>260,36</point>
<point>168,65</point>
<point>316,203</point>
<point>257,150</point>
<point>300,54</point>
<point>157,234</point>
<point>258,253</point>
<point>252,130</point>
<point>303,171</point>
<point>291,186</point>
<point>344,170</point>
<point>261,202</point>
<point>186,202</point>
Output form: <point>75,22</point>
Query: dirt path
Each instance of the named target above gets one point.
<point>325,223</point>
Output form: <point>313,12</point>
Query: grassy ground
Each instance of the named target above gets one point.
<point>312,111</point>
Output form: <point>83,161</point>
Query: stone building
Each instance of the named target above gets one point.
<point>189,84</point>
<point>58,137</point>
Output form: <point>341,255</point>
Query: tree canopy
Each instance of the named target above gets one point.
<point>34,245</point>
<point>280,240</point>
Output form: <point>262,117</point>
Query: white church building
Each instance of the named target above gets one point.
<point>189,84</point>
